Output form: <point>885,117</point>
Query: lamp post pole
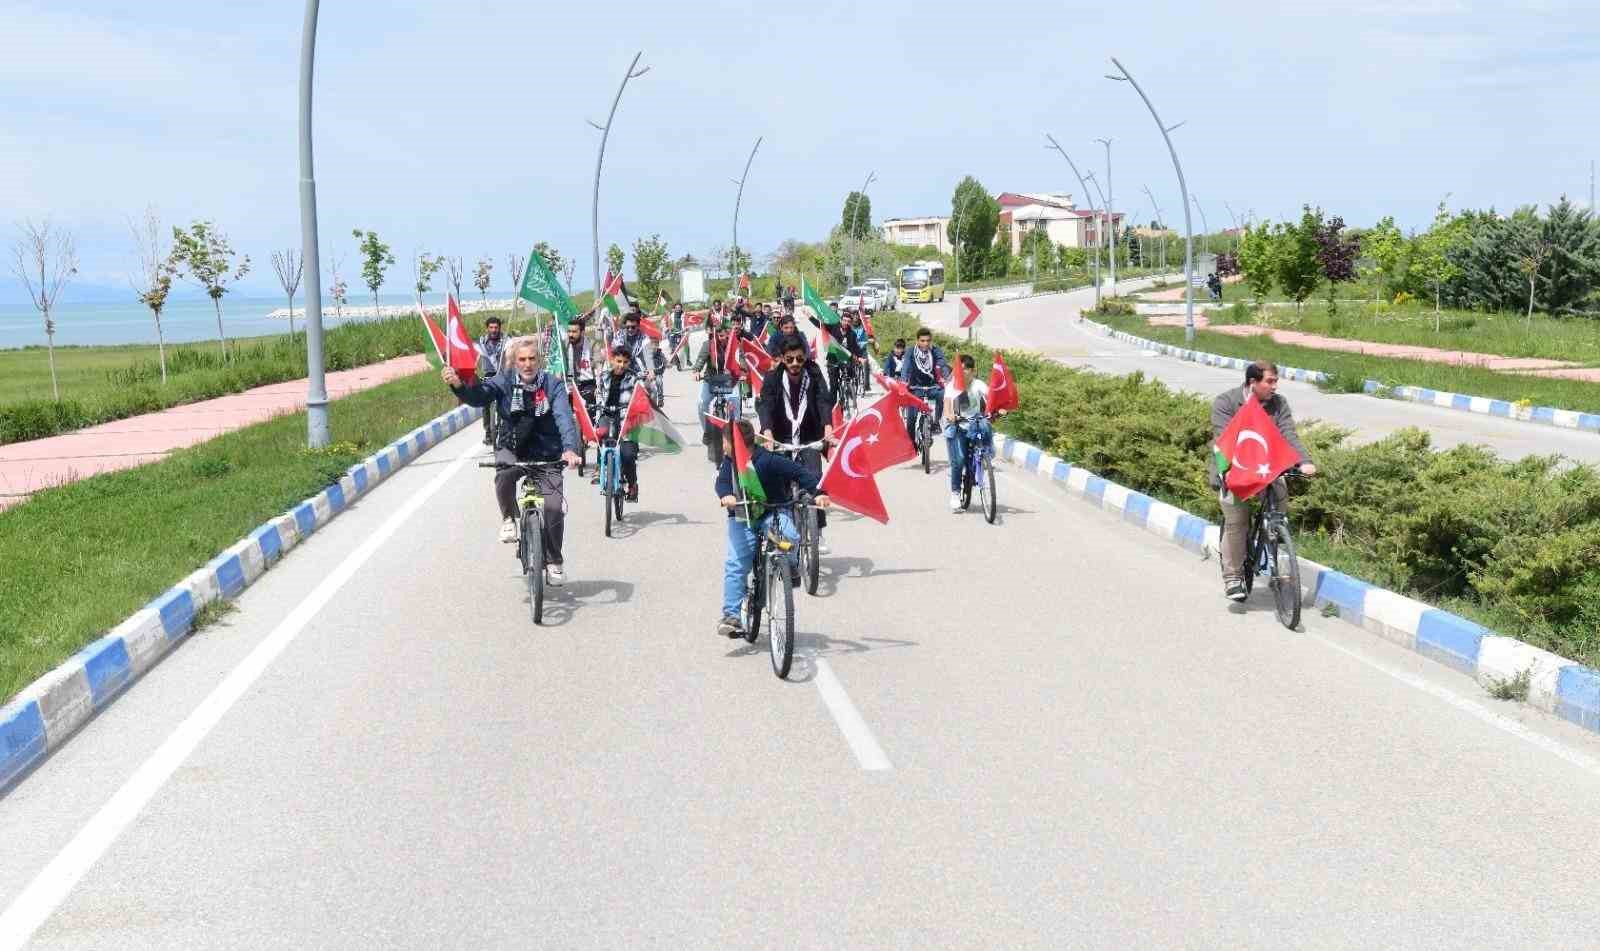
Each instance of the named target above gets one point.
<point>1204,225</point>
<point>1103,218</point>
<point>1188,225</point>
<point>961,211</point>
<point>855,215</point>
<point>1111,215</point>
<point>739,200</point>
<point>317,432</point>
<point>599,161</point>
<point>1086,197</point>
<point>1159,221</point>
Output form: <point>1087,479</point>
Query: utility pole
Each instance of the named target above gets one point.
<point>317,430</point>
<point>599,160</point>
<point>1111,215</point>
<point>1086,197</point>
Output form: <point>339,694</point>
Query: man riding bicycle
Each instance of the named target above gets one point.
<point>786,327</point>
<point>714,373</point>
<point>615,393</point>
<point>895,359</point>
<point>580,364</point>
<point>1260,381</point>
<point>844,334</point>
<point>536,426</point>
<point>491,352</point>
<point>795,407</point>
<point>638,345</point>
<point>675,331</point>
<point>778,474</point>
<point>965,426</point>
<point>924,371</point>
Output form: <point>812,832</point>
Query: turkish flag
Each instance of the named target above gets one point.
<point>730,356</point>
<point>959,383</point>
<point>459,348</point>
<point>650,328</point>
<point>585,424</point>
<point>848,479</point>
<point>885,441</point>
<point>1002,386</point>
<point>756,380</point>
<point>694,318</point>
<point>757,357</point>
<point>1251,453</point>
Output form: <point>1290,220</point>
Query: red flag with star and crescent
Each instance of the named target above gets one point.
<point>1002,386</point>
<point>848,480</point>
<point>1251,452</point>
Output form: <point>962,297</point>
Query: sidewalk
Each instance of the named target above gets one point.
<point>27,467</point>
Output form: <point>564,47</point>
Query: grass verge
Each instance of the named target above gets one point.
<point>1512,545</point>
<point>81,558</point>
<point>1351,369</point>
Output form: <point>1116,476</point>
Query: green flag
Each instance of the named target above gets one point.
<point>555,357</point>
<point>817,304</point>
<point>540,288</point>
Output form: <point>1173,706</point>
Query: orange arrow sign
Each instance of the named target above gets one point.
<point>973,310</point>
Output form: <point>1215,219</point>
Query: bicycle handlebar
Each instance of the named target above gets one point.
<point>796,447</point>
<point>527,466</point>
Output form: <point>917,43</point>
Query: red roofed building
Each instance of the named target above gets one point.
<point>1051,212</point>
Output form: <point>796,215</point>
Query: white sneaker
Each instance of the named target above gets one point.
<point>555,576</point>
<point>508,531</point>
<point>955,501</point>
<point>822,545</point>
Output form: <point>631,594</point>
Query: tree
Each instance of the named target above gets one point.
<point>204,255</point>
<point>856,217</point>
<point>375,263</point>
<point>1336,255</point>
<point>651,266</point>
<point>153,282</point>
<point>480,278</point>
<point>567,270</point>
<point>454,272</point>
<point>44,258</point>
<point>290,268</point>
<point>1384,246</point>
<point>1258,261</point>
<point>1530,248</point>
<point>514,266</point>
<point>614,258</point>
<point>338,290</point>
<point>1037,250</point>
<point>1071,259</point>
<point>1432,254</point>
<point>1573,271</point>
<point>1227,264</point>
<point>974,218</point>
<point>423,267</point>
<point>1299,270</point>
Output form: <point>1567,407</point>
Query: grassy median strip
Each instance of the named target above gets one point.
<point>81,558</point>
<point>1350,370</point>
<point>1512,545</point>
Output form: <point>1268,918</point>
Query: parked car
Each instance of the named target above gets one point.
<point>888,297</point>
<point>858,298</point>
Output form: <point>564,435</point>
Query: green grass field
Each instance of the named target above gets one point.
<point>81,558</point>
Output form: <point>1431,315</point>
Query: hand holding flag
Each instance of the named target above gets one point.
<point>1251,453</point>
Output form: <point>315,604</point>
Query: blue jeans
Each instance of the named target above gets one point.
<point>742,551</point>
<point>956,438</point>
<point>705,405</point>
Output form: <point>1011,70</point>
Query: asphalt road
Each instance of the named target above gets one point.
<point>1048,325</point>
<point>1050,732</point>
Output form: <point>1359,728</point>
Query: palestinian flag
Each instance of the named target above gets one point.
<point>744,473</point>
<point>647,425</point>
<point>829,346</point>
<point>581,413</point>
<point>614,294</point>
<point>818,306</point>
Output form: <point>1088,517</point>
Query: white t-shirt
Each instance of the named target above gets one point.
<point>974,400</point>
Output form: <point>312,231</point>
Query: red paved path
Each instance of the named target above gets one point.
<point>27,467</point>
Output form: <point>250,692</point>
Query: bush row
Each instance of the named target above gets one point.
<point>1514,545</point>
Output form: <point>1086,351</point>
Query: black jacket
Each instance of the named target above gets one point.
<point>819,405</point>
<point>776,472</point>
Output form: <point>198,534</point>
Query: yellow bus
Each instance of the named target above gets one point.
<point>922,282</point>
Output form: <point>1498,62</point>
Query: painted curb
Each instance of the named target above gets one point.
<point>1556,685</point>
<point>48,711</point>
<point>1200,356</point>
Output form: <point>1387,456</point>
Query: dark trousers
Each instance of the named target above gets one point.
<point>488,423</point>
<point>550,485</point>
<point>628,452</point>
<point>811,459</point>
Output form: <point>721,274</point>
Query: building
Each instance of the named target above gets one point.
<point>917,232</point>
<point>1053,213</point>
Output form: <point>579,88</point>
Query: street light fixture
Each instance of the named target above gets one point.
<point>1204,225</point>
<point>961,211</point>
<point>317,432</point>
<point>855,215</point>
<point>739,200</point>
<point>1188,224</point>
<point>1160,221</point>
<point>1111,215</point>
<point>1084,188</point>
<point>605,132</point>
<point>1103,219</point>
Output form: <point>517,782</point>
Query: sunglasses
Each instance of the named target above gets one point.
<point>793,361</point>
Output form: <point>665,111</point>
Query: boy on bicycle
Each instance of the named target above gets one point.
<point>923,369</point>
<point>614,393</point>
<point>965,424</point>
<point>777,474</point>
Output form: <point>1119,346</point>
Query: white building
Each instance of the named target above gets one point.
<point>917,232</point>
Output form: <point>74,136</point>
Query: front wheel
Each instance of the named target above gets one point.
<point>925,440</point>
<point>1285,581</point>
<point>966,484</point>
<point>605,488</point>
<point>780,614</point>
<point>532,541</point>
<point>617,498</point>
<point>991,502</point>
<point>810,568</point>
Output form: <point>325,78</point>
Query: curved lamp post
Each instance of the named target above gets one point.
<point>855,215</point>
<point>739,200</point>
<point>599,160</point>
<point>1111,215</point>
<point>1086,197</point>
<point>1160,221</point>
<point>1188,225</point>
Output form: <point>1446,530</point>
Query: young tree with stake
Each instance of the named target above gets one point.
<point>154,280</point>
<point>43,259</point>
<point>480,278</point>
<point>336,285</point>
<point>514,265</point>
<point>454,272</point>
<point>376,260</point>
<point>290,268</point>
<point>204,255</point>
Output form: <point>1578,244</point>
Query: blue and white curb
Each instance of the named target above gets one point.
<point>1555,684</point>
<point>48,711</point>
<point>1484,406</point>
<point>1200,356</point>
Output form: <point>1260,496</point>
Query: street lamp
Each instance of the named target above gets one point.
<point>1160,221</point>
<point>961,211</point>
<point>1236,229</point>
<point>739,200</point>
<point>1086,197</point>
<point>855,214</point>
<point>1204,225</point>
<point>1188,224</point>
<point>1103,218</point>
<point>599,160</point>
<point>1111,215</point>
<point>317,433</point>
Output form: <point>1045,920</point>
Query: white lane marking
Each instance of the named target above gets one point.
<point>50,888</point>
<point>1500,721</point>
<point>856,732</point>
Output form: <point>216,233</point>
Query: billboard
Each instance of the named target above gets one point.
<point>691,285</point>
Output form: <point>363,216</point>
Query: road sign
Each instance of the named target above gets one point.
<point>973,310</point>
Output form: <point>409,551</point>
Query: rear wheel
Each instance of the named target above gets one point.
<point>810,569</point>
<point>1252,557</point>
<point>991,502</point>
<point>532,542</point>
<point>780,614</point>
<point>1285,581</point>
<point>754,602</point>
<point>925,440</point>
<point>605,488</point>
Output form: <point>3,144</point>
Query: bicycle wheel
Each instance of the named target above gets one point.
<point>966,483</point>
<point>1285,582</point>
<point>617,498</point>
<point>605,487</point>
<point>925,440</point>
<point>991,502</point>
<point>754,603</point>
<point>533,561</point>
<point>810,568</point>
<point>1252,556</point>
<point>780,614</point>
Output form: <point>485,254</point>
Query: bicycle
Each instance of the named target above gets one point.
<point>722,387</point>
<point>768,590</point>
<point>848,390</point>
<point>530,529</point>
<point>608,463</point>
<point>1269,551</point>
<point>806,520</point>
<point>979,471</point>
<point>922,424</point>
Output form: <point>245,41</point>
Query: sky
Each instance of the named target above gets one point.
<point>460,126</point>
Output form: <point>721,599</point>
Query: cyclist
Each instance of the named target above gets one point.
<point>844,334</point>
<point>964,424</point>
<point>675,330</point>
<point>1260,381</point>
<point>491,351</point>
<point>712,371</point>
<point>580,364</point>
<point>924,370</point>
<point>536,425</point>
<point>786,326</point>
<point>639,346</point>
<point>615,392</point>
<point>892,362</point>
<point>868,343</point>
<point>761,321</point>
<point>788,299</point>
<point>796,407</point>
<point>777,473</point>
